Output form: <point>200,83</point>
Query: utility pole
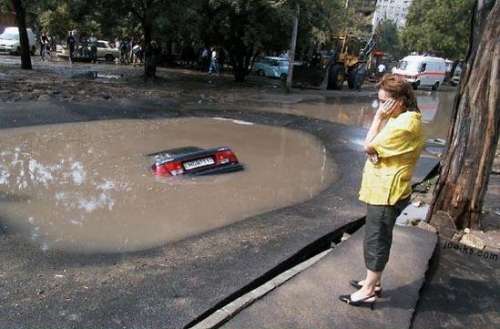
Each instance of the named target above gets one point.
<point>291,54</point>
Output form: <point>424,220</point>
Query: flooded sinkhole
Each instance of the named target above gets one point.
<point>87,187</point>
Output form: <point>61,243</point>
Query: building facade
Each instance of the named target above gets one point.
<point>395,10</point>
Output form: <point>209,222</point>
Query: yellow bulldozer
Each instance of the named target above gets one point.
<point>337,65</point>
<point>347,52</point>
<point>350,52</point>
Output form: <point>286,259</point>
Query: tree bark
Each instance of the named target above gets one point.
<point>241,56</point>
<point>474,130</point>
<point>23,34</point>
<point>149,65</point>
<point>291,55</point>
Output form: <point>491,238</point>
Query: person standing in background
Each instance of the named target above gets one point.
<point>71,43</point>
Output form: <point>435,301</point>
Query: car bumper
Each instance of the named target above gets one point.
<point>218,170</point>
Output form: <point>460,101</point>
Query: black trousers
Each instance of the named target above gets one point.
<point>380,222</point>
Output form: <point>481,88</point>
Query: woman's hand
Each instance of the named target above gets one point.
<point>371,153</point>
<point>390,108</point>
<point>373,157</point>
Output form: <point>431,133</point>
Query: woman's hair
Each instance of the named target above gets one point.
<point>399,89</point>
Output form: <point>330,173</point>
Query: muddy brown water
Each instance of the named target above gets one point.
<point>436,108</point>
<point>87,187</point>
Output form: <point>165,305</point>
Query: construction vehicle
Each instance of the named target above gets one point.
<point>335,66</point>
<point>340,63</point>
<point>348,55</point>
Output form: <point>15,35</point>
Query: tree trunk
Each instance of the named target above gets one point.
<point>239,68</point>
<point>23,34</point>
<point>291,55</point>
<point>474,130</point>
<point>150,53</point>
<point>241,56</point>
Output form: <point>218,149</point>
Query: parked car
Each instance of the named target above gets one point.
<point>10,44</point>
<point>82,51</point>
<point>106,52</point>
<point>274,67</point>
<point>422,71</point>
<point>195,161</point>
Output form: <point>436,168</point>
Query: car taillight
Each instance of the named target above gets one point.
<point>225,156</point>
<point>172,168</point>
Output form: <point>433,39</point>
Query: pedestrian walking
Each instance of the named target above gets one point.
<point>204,59</point>
<point>71,43</point>
<point>124,51</point>
<point>44,47</point>
<point>393,145</point>
<point>93,51</point>
<point>137,54</point>
<point>213,62</point>
<point>381,68</point>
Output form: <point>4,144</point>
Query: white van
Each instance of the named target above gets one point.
<point>9,41</point>
<point>422,71</point>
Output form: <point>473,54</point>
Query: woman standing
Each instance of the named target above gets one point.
<point>393,146</point>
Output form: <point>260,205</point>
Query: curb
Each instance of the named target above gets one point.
<point>222,315</point>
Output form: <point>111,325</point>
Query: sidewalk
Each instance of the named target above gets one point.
<point>309,300</point>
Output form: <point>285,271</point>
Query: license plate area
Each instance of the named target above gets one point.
<point>194,164</point>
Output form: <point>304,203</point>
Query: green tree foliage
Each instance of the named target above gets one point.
<point>248,27</point>
<point>243,28</point>
<point>388,38</point>
<point>57,22</point>
<point>438,26</point>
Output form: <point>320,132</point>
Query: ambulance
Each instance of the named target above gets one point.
<point>422,71</point>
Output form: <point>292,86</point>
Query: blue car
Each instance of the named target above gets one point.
<point>274,67</point>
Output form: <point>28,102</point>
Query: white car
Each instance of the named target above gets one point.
<point>104,50</point>
<point>10,44</point>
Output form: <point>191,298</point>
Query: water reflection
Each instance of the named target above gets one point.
<point>436,110</point>
<point>87,187</point>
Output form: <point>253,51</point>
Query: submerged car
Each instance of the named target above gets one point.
<point>195,161</point>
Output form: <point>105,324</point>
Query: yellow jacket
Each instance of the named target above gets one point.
<point>398,145</point>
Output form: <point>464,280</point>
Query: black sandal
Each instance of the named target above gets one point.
<point>367,301</point>
<point>378,288</point>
